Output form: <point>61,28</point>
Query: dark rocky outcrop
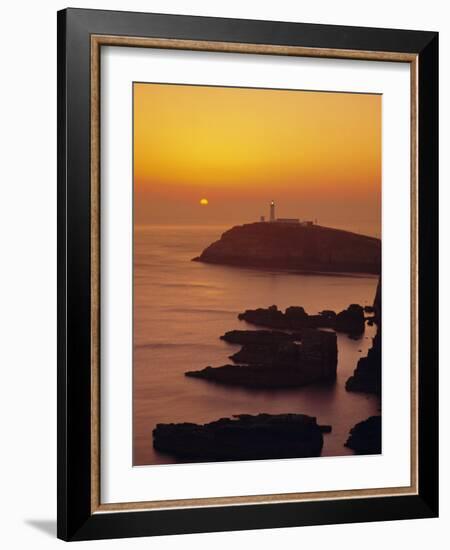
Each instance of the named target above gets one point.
<point>259,376</point>
<point>365,437</point>
<point>282,364</point>
<point>295,247</point>
<point>243,437</point>
<point>367,375</point>
<point>350,320</point>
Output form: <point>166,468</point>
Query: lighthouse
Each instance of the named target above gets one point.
<point>272,211</point>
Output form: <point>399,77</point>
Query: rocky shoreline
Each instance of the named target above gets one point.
<point>296,349</point>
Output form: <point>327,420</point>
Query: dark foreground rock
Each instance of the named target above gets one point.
<point>243,437</point>
<point>350,320</point>
<point>367,375</point>
<point>292,246</point>
<point>365,437</point>
<point>278,363</point>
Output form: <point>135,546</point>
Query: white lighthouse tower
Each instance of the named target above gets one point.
<point>272,211</point>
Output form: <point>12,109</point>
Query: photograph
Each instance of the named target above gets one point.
<point>257,263</point>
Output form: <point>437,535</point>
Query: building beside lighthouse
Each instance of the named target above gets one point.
<point>274,219</point>
<point>288,220</point>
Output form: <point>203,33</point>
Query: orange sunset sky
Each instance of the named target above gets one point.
<point>317,154</point>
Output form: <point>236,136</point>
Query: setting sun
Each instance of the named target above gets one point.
<point>234,149</point>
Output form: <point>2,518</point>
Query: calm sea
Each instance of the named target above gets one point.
<point>182,307</point>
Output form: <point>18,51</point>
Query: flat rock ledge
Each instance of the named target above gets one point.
<point>276,360</point>
<point>243,437</point>
<point>365,437</point>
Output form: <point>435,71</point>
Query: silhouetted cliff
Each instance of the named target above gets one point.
<point>367,375</point>
<point>293,246</point>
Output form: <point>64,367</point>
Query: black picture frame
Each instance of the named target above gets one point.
<point>75,518</point>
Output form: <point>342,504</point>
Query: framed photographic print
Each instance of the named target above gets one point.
<point>247,256</point>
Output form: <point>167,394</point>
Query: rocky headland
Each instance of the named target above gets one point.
<point>243,437</point>
<point>294,246</point>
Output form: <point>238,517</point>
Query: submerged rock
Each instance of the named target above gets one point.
<point>350,320</point>
<point>365,437</point>
<point>243,437</point>
<point>282,364</point>
<point>293,246</point>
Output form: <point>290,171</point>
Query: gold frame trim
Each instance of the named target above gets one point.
<point>108,40</point>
